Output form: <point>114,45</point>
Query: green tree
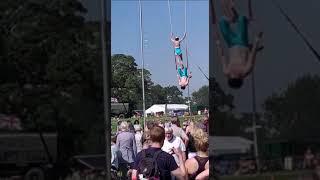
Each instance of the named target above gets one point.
<point>293,113</point>
<point>201,97</point>
<point>51,75</point>
<point>127,85</point>
<point>221,105</point>
<point>148,84</point>
<point>174,95</point>
<point>126,81</point>
<point>158,95</point>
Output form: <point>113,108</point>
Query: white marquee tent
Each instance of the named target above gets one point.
<point>170,107</point>
<point>229,145</point>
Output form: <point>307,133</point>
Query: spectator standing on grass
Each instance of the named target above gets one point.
<point>308,159</point>
<point>177,131</point>
<point>118,125</point>
<point>205,124</point>
<point>126,144</point>
<point>149,125</point>
<point>191,149</point>
<point>190,123</point>
<point>197,167</point>
<point>171,141</point>
<point>131,127</point>
<point>165,162</point>
<point>138,138</point>
<point>136,123</point>
<point>184,126</point>
<point>146,141</point>
<point>114,153</point>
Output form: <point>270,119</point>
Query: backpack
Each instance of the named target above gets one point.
<point>148,167</point>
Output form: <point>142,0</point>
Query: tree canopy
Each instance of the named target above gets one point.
<point>127,85</point>
<point>293,113</point>
<point>50,73</point>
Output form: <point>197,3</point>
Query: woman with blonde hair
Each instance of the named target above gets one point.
<point>199,165</point>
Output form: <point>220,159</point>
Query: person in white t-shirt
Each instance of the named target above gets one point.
<point>171,142</point>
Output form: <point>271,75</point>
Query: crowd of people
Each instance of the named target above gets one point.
<point>161,150</point>
<point>246,164</point>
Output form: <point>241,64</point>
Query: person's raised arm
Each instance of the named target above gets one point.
<point>222,57</point>
<point>188,80</point>
<point>213,14</point>
<point>178,78</point>
<point>184,136</point>
<point>171,37</point>
<point>180,172</point>
<point>183,146</point>
<point>220,51</point>
<point>253,53</point>
<point>184,36</point>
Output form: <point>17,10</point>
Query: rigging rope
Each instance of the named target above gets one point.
<point>203,73</point>
<point>142,69</point>
<point>169,7</point>
<point>185,33</point>
<point>185,16</point>
<point>295,27</point>
<point>187,57</point>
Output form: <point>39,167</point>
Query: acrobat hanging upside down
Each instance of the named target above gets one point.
<point>183,76</point>
<point>242,55</point>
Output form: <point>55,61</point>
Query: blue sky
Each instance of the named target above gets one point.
<point>158,50</point>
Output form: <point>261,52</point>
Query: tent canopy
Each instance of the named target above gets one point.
<point>170,107</point>
<point>229,144</point>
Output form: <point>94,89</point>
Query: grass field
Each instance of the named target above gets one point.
<point>285,175</point>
